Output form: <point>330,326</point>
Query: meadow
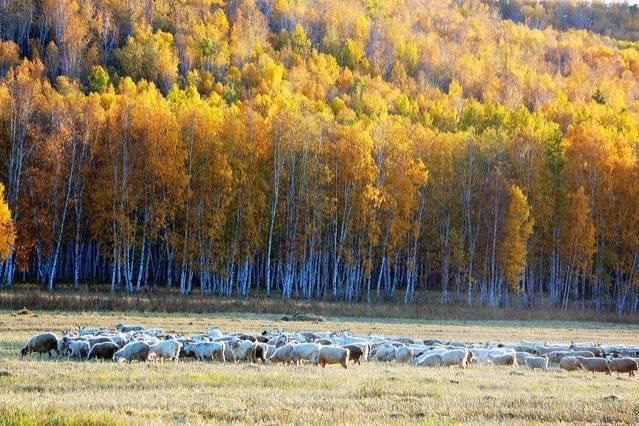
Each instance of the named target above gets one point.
<point>57,391</point>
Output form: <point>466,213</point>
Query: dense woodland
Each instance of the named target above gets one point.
<point>352,150</point>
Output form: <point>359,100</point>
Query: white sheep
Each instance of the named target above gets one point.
<point>283,354</point>
<point>305,352</point>
<point>207,350</point>
<point>333,355</point>
<point>537,362</point>
<point>167,349</point>
<point>79,349</point>
<point>458,357</point>
<point>134,351</point>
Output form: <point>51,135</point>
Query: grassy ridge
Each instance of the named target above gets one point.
<point>62,392</point>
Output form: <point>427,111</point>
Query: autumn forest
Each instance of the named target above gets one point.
<point>352,150</point>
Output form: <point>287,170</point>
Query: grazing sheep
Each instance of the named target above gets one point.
<point>333,355</point>
<point>261,351</point>
<point>79,349</point>
<point>167,349</point>
<point>430,360</point>
<point>556,356</point>
<point>63,345</point>
<point>384,353</point>
<point>206,350</point>
<point>104,350</point>
<point>587,347</point>
<point>119,339</point>
<point>570,363</point>
<point>95,340</point>
<point>229,353</point>
<point>600,365</point>
<point>522,357</point>
<point>42,343</point>
<point>508,360</point>
<point>123,328</point>
<point>624,365</point>
<point>243,350</point>
<point>457,357</point>
<point>283,354</point>
<point>261,339</point>
<point>324,342</point>
<point>305,352</point>
<point>404,354</point>
<point>214,333</point>
<point>545,350</point>
<point>135,351</point>
<point>537,362</point>
<point>356,353</point>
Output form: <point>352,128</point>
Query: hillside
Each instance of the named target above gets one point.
<point>355,150</point>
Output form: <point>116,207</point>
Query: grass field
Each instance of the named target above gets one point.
<point>62,392</point>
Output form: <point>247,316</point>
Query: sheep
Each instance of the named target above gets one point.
<point>95,340</point>
<point>587,347</point>
<point>305,352</point>
<point>79,349</point>
<point>283,354</point>
<point>570,363</point>
<point>261,351</point>
<point>63,345</point>
<point>356,353</point>
<point>103,350</point>
<point>624,365</point>
<point>229,353</point>
<point>243,350</point>
<point>167,349</point>
<point>119,339</point>
<point>545,350</point>
<point>123,328</point>
<point>505,359</point>
<point>404,354</point>
<point>214,333</point>
<point>457,357</point>
<point>42,343</point>
<point>481,355</point>
<point>134,351</point>
<point>333,355</point>
<point>207,350</point>
<point>537,362</point>
<point>384,353</point>
<point>429,360</point>
<point>522,357</point>
<point>556,356</point>
<point>600,365</point>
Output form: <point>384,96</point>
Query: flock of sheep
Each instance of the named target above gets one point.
<point>136,343</point>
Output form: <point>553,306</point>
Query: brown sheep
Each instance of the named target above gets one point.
<point>624,365</point>
<point>41,343</point>
<point>599,365</point>
<point>355,353</point>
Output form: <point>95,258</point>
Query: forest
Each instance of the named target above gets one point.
<point>353,150</point>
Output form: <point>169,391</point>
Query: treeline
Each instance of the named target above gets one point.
<point>618,19</point>
<point>353,150</point>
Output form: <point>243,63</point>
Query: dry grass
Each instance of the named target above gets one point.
<point>426,307</point>
<point>61,392</point>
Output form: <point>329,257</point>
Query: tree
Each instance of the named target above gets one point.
<point>7,233</point>
<point>150,56</point>
<point>517,229</point>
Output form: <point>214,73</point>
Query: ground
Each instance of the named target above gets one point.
<point>40,390</point>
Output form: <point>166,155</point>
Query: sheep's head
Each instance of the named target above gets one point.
<point>24,351</point>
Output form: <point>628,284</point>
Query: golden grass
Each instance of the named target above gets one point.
<point>63,392</point>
